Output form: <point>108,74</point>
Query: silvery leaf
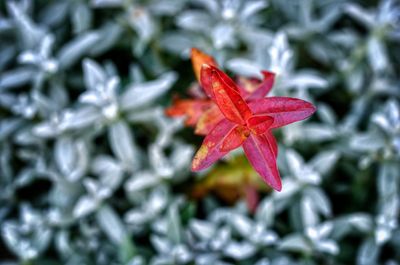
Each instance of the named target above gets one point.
<point>159,162</point>
<point>239,251</point>
<point>251,8</point>
<point>308,214</point>
<point>54,14</point>
<point>6,55</point>
<point>29,238</point>
<point>265,213</point>
<point>204,259</point>
<point>181,254</point>
<point>81,18</point>
<point>280,55</point>
<point>178,43</point>
<point>29,32</point>
<point>165,7</point>
<point>142,22</point>
<point>328,246</point>
<point>174,232</point>
<point>181,156</point>
<point>382,235</point>
<point>368,253</point>
<point>212,6</point>
<point>320,200</point>
<point>111,224</point>
<point>137,217</point>
<point>242,224</point>
<point>71,157</point>
<point>138,95</point>
<point>194,20</point>
<point>96,189</point>
<point>221,239</point>
<point>93,74</point>
<point>324,161</point>
<point>71,52</point>
<point>305,79</point>
<point>106,3</point>
<point>151,207</point>
<point>80,118</point>
<point>377,55</point>
<point>263,261</point>
<point>109,35</point>
<point>295,162</point>
<point>105,165</point>
<point>262,237</point>
<point>204,230</point>
<point>136,74</point>
<point>326,114</point>
<point>9,126</point>
<point>16,78</point>
<point>141,181</point>
<point>366,142</point>
<point>84,206</point>
<point>122,145</point>
<point>359,14</point>
<point>162,245</point>
<point>23,248</point>
<point>223,36</point>
<point>291,187</point>
<point>318,132</point>
<point>244,67</point>
<point>295,243</point>
<point>319,232</point>
<point>361,221</point>
<point>387,179</point>
<point>388,119</point>
<point>6,170</point>
<point>157,200</point>
<point>136,260</point>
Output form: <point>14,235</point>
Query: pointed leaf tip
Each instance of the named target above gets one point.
<point>200,58</point>
<point>284,110</point>
<point>205,80</point>
<point>260,152</point>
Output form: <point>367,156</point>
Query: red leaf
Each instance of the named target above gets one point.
<point>284,110</point>
<point>210,118</point>
<point>198,59</point>
<point>192,109</point>
<point>259,151</point>
<point>271,139</point>
<point>253,88</point>
<point>235,138</point>
<point>228,99</point>
<point>259,124</point>
<point>205,80</point>
<point>252,198</point>
<point>264,88</point>
<point>210,150</point>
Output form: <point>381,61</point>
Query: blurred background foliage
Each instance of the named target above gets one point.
<point>92,172</point>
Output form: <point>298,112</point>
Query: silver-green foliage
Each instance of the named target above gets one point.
<point>92,172</point>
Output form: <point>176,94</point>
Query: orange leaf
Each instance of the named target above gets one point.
<point>198,59</point>
<point>191,108</point>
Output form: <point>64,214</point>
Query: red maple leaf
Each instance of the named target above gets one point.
<point>201,112</point>
<point>246,124</point>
